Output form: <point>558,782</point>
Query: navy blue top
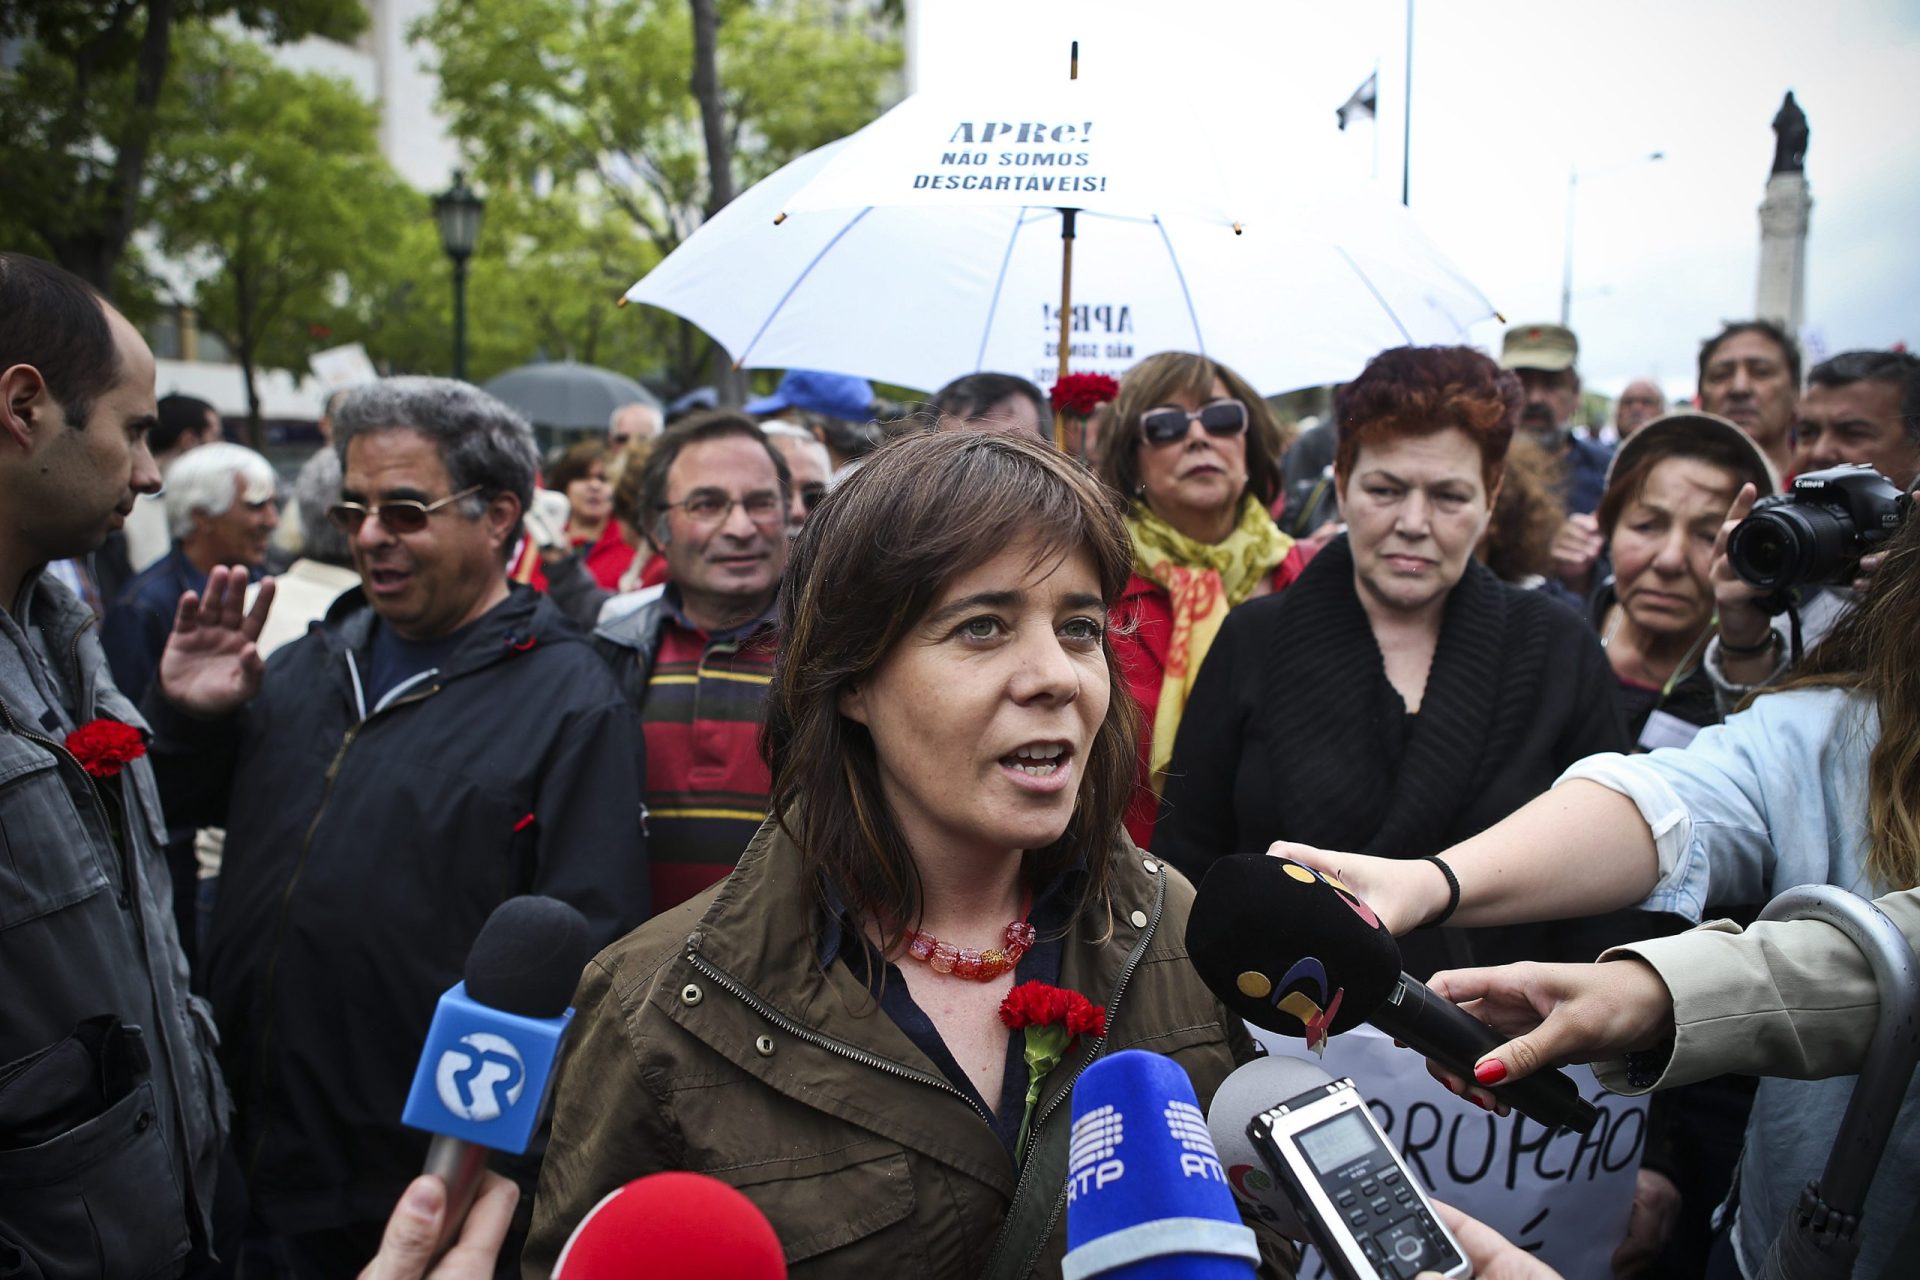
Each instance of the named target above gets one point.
<point>1586,480</point>
<point>393,660</point>
<point>140,619</point>
<point>1052,912</point>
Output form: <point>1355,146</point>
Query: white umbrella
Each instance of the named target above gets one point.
<point>811,268</point>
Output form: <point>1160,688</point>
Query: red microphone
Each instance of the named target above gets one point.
<point>673,1224</point>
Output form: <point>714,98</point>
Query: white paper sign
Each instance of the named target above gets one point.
<point>343,368</point>
<point>1563,1198</point>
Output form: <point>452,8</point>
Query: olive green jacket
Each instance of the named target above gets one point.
<point>710,1040</point>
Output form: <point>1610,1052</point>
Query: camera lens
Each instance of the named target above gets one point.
<point>1791,546</point>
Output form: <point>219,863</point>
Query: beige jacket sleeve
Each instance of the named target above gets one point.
<point>1781,998</point>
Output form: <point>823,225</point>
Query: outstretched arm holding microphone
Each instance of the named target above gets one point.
<point>1814,783</point>
<point>1789,998</point>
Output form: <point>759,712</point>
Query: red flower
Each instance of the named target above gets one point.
<point>1035,1004</point>
<point>1079,394</point>
<point>1054,1019</point>
<point>105,747</point>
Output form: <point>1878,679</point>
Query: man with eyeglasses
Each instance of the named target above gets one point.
<point>631,422</point>
<point>696,659</point>
<point>441,741</point>
<point>810,468</point>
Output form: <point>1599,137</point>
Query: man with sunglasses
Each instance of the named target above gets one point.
<point>441,741</point>
<point>696,659</point>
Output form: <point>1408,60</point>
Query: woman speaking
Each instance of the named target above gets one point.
<point>951,750</point>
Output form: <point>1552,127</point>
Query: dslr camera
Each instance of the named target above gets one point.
<point>1816,532</point>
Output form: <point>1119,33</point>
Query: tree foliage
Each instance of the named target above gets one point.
<point>593,99</point>
<point>79,114</point>
<point>271,198</point>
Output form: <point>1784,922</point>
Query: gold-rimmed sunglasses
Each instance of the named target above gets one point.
<point>402,515</point>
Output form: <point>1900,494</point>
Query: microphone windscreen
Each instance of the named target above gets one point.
<point>528,957</point>
<point>685,1225</point>
<point>1146,1195</point>
<point>1288,949</point>
<point>1255,1087</point>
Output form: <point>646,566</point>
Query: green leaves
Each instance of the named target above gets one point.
<point>591,101</point>
<point>270,195</point>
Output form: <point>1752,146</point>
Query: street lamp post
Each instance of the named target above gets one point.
<point>458,211</point>
<point>1566,260</point>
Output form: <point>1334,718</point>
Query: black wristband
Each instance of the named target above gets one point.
<point>1453,890</point>
<point>1771,643</point>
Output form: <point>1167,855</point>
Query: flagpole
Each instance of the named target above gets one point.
<point>1373,169</point>
<point>1406,105</point>
<point>1066,280</point>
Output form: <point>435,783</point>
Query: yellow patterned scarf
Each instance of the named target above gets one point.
<point>1203,580</point>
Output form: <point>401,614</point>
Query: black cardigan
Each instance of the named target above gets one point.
<point>1294,732</point>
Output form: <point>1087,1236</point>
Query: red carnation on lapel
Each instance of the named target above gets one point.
<point>105,747</point>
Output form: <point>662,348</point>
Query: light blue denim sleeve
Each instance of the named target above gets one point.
<point>1722,809</point>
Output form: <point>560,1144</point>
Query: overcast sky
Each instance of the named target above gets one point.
<point>1508,95</point>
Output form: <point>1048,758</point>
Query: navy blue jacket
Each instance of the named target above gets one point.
<point>364,851</point>
<point>140,619</point>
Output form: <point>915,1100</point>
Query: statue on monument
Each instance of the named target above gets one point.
<point>1790,137</point>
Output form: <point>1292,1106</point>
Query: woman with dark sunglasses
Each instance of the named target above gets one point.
<point>1196,453</point>
<point>1399,697</point>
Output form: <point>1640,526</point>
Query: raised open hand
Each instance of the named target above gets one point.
<point>211,665</point>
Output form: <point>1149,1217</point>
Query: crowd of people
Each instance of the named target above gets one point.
<point>834,730</point>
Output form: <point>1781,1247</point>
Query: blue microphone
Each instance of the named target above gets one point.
<point>1146,1196</point>
<point>482,1080</point>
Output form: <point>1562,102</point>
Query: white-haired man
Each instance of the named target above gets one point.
<point>220,510</point>
<point>631,422</point>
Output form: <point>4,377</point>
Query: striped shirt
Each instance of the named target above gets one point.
<point>706,783</point>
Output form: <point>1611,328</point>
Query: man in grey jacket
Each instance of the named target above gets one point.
<point>112,1111</point>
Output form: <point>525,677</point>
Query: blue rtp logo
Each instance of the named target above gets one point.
<point>483,1074</point>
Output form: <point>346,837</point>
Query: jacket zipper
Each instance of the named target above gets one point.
<point>286,898</point>
<point>742,993</point>
<point>1039,1120</point>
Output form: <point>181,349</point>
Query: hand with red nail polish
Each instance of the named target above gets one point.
<point>1560,1013</point>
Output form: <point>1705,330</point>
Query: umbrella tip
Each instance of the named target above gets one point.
<point>620,301</point>
<point>782,218</point>
<point>1237,228</point>
<point>1497,316</point>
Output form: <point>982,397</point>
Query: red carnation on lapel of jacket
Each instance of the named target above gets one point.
<point>105,747</point>
<point>1054,1019</point>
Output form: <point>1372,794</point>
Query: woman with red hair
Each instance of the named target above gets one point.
<point>1398,697</point>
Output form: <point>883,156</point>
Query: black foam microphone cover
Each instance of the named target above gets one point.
<point>528,957</point>
<point>1289,949</point>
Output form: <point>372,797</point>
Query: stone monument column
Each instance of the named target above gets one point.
<point>1781,292</point>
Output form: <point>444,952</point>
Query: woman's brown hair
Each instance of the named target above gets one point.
<point>1160,380</point>
<point>1526,516</point>
<point>577,463</point>
<point>1876,649</point>
<point>1422,391</point>
<point>871,561</point>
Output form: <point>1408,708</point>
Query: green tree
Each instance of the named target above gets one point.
<point>545,280</point>
<point>269,188</point>
<point>597,98</point>
<point>79,114</point>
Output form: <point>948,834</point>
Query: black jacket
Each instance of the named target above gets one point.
<point>1293,731</point>
<point>362,857</point>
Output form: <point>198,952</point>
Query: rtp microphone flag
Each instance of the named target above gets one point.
<point>1146,1195</point>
